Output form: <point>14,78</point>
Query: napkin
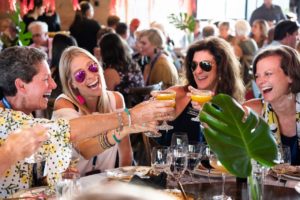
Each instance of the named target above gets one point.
<point>157,182</point>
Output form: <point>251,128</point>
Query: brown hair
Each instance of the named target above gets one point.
<point>290,63</point>
<point>228,67</point>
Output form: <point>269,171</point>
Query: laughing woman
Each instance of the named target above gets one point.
<point>210,64</point>
<point>85,93</point>
<point>277,75</point>
<point>25,86</point>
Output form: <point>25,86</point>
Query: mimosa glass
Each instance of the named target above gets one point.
<point>202,97</point>
<point>163,96</point>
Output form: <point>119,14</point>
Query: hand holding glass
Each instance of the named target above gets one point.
<point>201,97</point>
<point>162,96</point>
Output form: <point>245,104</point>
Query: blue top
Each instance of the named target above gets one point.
<point>183,123</point>
<point>292,142</point>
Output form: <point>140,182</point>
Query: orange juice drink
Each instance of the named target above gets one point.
<point>218,165</point>
<point>166,95</point>
<point>201,98</point>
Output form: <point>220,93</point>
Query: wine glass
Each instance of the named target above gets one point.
<point>179,138</point>
<point>194,154</point>
<point>179,162</point>
<point>216,164</point>
<point>201,96</point>
<point>160,159</point>
<point>162,96</point>
<point>284,158</point>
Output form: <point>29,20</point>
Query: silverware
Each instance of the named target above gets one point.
<point>182,190</point>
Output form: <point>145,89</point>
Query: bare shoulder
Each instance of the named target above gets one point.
<point>62,103</point>
<point>110,72</point>
<point>254,104</point>
<point>119,99</point>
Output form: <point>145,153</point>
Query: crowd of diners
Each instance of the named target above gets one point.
<point>83,79</point>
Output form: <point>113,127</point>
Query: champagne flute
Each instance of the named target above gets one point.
<point>216,164</point>
<point>201,96</point>
<point>162,96</point>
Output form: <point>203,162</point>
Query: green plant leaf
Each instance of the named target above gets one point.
<point>236,140</point>
<point>182,21</point>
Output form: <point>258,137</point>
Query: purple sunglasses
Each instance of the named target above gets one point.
<point>81,74</point>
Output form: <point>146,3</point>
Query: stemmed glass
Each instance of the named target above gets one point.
<point>160,159</point>
<point>194,154</point>
<point>162,96</point>
<point>216,164</point>
<point>284,157</point>
<point>201,96</point>
<point>179,138</point>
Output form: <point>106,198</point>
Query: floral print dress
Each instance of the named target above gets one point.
<point>56,151</point>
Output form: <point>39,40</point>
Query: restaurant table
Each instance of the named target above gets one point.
<point>202,187</point>
<point>238,191</point>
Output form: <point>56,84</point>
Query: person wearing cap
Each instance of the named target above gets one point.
<point>131,40</point>
<point>286,33</point>
<point>269,12</point>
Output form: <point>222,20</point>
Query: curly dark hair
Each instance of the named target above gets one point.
<point>18,62</point>
<point>228,67</point>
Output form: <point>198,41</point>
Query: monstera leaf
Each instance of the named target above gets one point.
<point>236,139</point>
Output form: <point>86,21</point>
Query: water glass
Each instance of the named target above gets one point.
<point>160,159</point>
<point>179,139</point>
<point>68,186</point>
<point>179,161</point>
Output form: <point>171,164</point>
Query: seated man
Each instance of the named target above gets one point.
<point>39,31</point>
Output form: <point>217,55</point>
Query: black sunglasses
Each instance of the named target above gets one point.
<point>205,65</point>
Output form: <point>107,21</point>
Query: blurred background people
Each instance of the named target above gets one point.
<point>259,32</point>
<point>84,28</point>
<point>40,38</point>
<point>161,67</point>
<point>268,11</point>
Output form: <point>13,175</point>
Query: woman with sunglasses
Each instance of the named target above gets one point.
<point>210,64</point>
<point>26,85</point>
<point>85,93</point>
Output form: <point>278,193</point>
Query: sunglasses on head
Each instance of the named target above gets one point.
<point>81,74</point>
<point>205,65</point>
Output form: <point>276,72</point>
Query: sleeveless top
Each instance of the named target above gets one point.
<point>106,159</point>
<point>183,123</point>
<point>293,142</point>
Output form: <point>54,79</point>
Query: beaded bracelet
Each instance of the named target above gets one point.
<point>129,116</point>
<point>120,119</point>
<point>103,141</point>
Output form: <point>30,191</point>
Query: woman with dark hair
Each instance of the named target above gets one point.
<point>59,44</point>
<point>34,14</point>
<point>277,75</point>
<point>210,64</point>
<point>120,71</point>
<point>84,28</point>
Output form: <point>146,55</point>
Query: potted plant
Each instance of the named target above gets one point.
<point>239,141</point>
<point>184,22</point>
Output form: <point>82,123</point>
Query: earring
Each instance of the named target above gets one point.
<point>80,99</point>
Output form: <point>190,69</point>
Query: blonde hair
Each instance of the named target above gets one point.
<point>155,37</point>
<point>66,79</point>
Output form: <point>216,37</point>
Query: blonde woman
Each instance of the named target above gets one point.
<point>85,93</point>
<point>161,67</point>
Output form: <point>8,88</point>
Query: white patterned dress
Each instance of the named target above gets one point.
<point>56,151</point>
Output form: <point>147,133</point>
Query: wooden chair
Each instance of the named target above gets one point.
<point>141,144</point>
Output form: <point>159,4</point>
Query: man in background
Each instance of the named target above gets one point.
<point>269,12</point>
